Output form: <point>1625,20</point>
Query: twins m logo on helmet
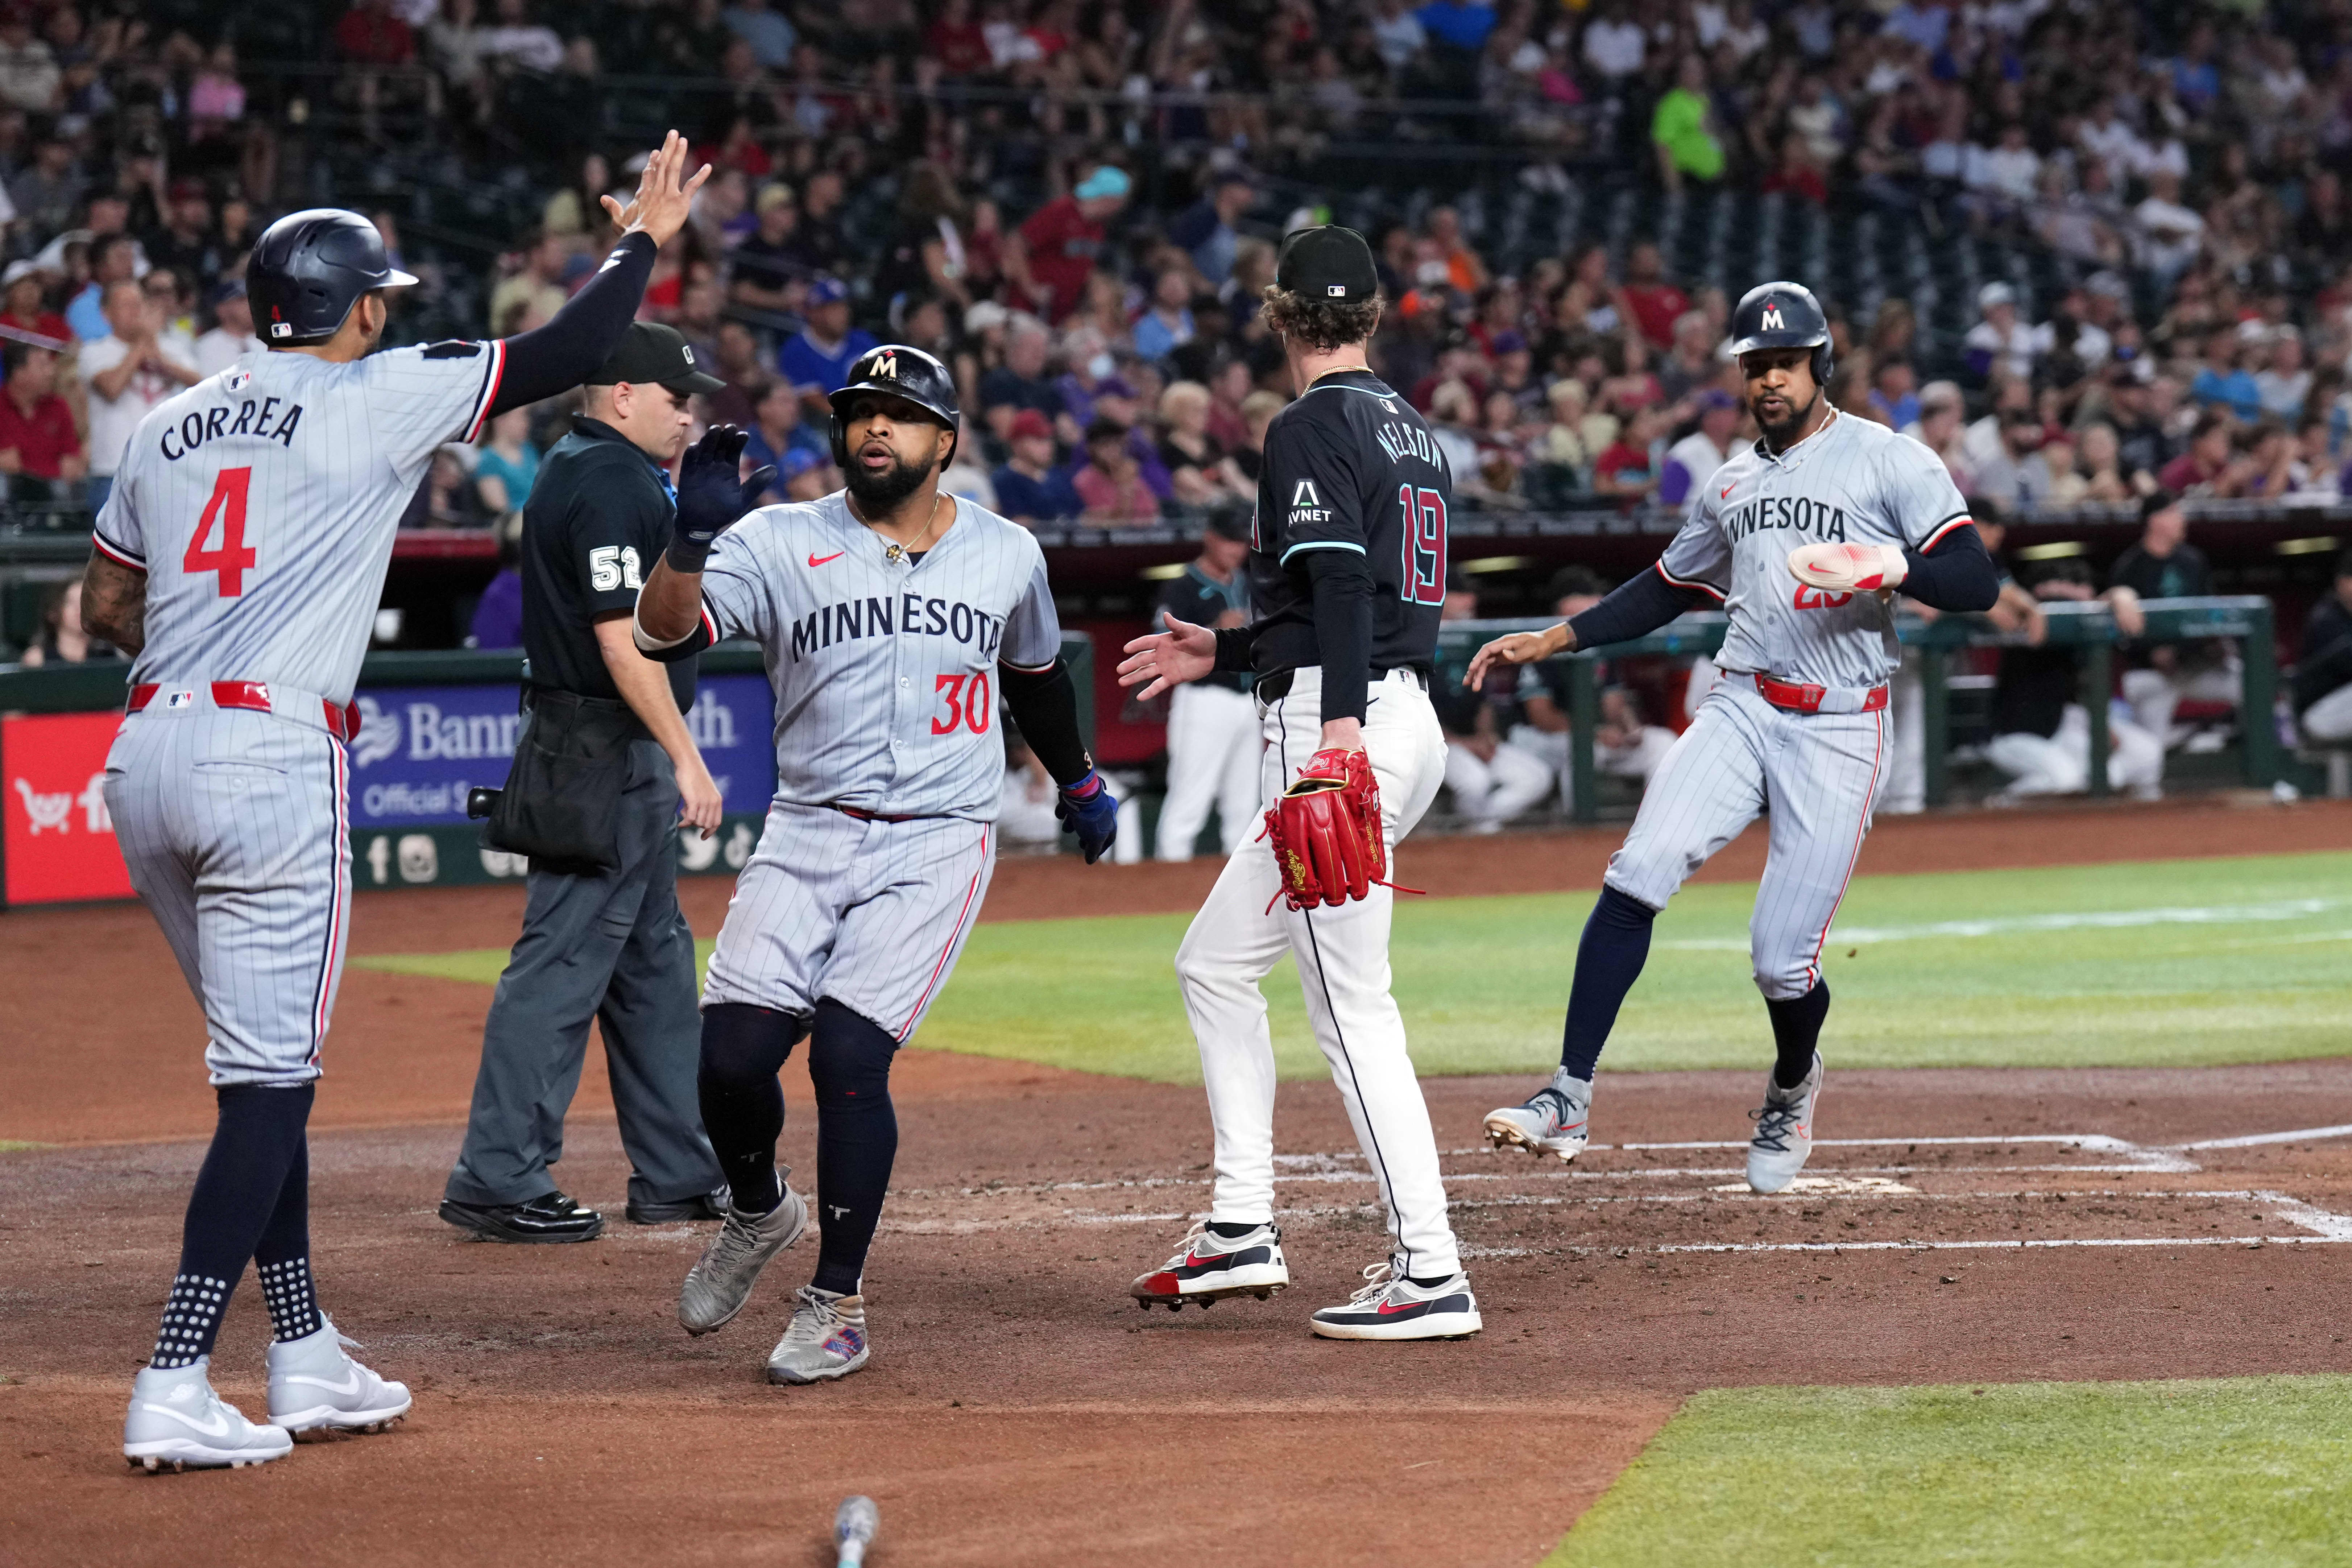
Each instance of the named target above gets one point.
<point>1771,321</point>
<point>885,363</point>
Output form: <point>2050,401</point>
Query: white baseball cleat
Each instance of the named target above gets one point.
<point>1391,1307</point>
<point>826,1338</point>
<point>315,1386</point>
<point>1554,1120</point>
<point>1784,1132</point>
<point>1210,1267</point>
<point>721,1281</point>
<point>177,1420</point>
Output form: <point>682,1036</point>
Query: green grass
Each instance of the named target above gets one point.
<point>2199,962</point>
<point>2251,1471</point>
<point>17,1146</point>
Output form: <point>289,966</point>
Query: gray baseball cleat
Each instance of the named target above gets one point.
<point>719,1283</point>
<point>314,1386</point>
<point>176,1419</point>
<point>826,1339</point>
<point>1784,1132</point>
<point>1554,1120</point>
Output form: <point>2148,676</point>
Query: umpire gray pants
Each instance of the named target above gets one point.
<point>614,948</point>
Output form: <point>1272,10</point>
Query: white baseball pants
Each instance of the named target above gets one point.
<point>1212,758</point>
<point>1490,791</point>
<point>2061,764</point>
<point>1343,968</point>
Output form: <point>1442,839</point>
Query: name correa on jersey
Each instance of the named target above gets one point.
<point>904,614</point>
<point>271,418</point>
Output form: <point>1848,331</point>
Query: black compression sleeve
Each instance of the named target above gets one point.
<point>565,352</point>
<point>1343,630</point>
<point>1235,645</point>
<point>1044,704</point>
<point>1635,607</point>
<point>1958,575</point>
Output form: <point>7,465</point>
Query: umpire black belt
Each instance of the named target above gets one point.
<point>1274,686</point>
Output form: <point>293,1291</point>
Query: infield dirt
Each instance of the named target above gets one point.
<point>1019,1407</point>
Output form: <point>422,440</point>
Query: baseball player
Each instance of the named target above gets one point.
<point>239,558</point>
<point>1348,570</point>
<point>892,616</point>
<point>1804,539</point>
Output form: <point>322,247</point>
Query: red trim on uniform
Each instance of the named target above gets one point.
<point>1963,520</point>
<point>1813,968</point>
<point>497,374</point>
<point>116,553</point>
<point>338,899</point>
<point>709,625</point>
<point>1707,588</point>
<point>971,896</point>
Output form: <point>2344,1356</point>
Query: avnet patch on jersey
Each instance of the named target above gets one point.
<point>1306,504</point>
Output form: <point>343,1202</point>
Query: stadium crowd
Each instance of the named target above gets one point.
<point>1076,207</point>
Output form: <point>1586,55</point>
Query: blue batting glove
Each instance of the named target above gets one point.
<point>711,498</point>
<point>1088,809</point>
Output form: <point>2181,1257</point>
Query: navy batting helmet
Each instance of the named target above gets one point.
<point>308,270</point>
<point>901,372</point>
<point>1784,316</point>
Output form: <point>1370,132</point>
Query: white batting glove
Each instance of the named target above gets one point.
<point>1849,568</point>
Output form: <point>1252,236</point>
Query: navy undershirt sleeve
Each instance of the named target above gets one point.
<point>1636,608</point>
<point>1958,575</point>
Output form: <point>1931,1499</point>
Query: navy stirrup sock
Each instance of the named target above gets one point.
<point>1796,1030</point>
<point>1608,961</point>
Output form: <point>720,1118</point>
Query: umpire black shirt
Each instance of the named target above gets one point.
<point>597,520</point>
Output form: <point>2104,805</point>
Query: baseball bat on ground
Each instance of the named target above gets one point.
<point>854,1524</point>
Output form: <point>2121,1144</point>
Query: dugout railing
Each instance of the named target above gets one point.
<point>2088,629</point>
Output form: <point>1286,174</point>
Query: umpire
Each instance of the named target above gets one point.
<point>603,769</point>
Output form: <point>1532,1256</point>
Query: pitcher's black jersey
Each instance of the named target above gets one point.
<point>1349,465</point>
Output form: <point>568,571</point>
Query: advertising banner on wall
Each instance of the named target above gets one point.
<point>58,837</point>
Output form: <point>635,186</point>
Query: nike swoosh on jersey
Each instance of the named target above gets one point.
<point>216,1427</point>
<point>816,559</point>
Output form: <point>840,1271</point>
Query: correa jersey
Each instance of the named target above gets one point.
<point>261,503</point>
<point>1851,482</point>
<point>1349,465</point>
<point>885,670</point>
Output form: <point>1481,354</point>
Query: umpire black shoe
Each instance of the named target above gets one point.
<point>551,1218</point>
<point>712,1205</point>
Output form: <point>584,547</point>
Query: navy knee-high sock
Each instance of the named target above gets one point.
<point>255,1145</point>
<point>1796,1030</point>
<point>856,1138</point>
<point>743,1048</point>
<point>1608,961</point>
<point>282,1256</point>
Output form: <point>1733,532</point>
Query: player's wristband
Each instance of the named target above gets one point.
<point>1089,787</point>
<point>687,555</point>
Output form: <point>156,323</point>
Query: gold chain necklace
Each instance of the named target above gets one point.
<point>894,552</point>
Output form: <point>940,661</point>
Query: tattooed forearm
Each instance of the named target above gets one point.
<point>114,602</point>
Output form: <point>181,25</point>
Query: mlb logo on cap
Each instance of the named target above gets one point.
<point>1336,290</point>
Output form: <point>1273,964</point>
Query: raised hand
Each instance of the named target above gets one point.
<point>1169,658</point>
<point>664,193</point>
<point>1517,647</point>
<point>711,496</point>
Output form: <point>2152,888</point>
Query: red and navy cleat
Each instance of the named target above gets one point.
<point>1210,1267</point>
<point>1392,1307</point>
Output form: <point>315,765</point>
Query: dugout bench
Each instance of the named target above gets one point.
<point>2088,629</point>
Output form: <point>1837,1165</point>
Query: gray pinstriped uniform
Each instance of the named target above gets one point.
<point>261,504</point>
<point>1820,774</point>
<point>885,675</point>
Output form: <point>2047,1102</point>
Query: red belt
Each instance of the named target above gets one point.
<point>863,815</point>
<point>342,723</point>
<point>1801,699</point>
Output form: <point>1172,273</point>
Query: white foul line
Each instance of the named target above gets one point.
<point>2310,1134</point>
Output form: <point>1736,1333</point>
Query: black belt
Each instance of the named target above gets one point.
<point>1274,686</point>
<point>569,709</point>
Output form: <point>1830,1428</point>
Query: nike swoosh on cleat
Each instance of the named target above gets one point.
<point>816,559</point>
<point>216,1427</point>
<point>351,1385</point>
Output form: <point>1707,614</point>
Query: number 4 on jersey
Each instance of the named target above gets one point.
<point>234,558</point>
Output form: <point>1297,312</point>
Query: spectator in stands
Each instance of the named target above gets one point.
<point>817,358</point>
<point>127,371</point>
<point>1258,410</point>
<point>1168,324</point>
<point>63,638</point>
<point>2000,340</point>
<point>2007,395</point>
<point>1465,270</point>
<point>1205,231</point>
<point>1692,363</point>
<point>2323,663</point>
<point>808,477</point>
<point>966,474</point>
<point>1198,471</point>
<point>1892,402</point>
<point>2100,466</point>
<point>535,289</point>
<point>39,447</point>
<point>2042,732</point>
<point>498,613</point>
<point>1655,304</point>
<point>447,499</point>
<point>2284,380</point>
<point>1213,725</point>
<point>739,365</point>
<point>780,428</point>
<point>1491,780</point>
<point>1061,242</point>
<point>2223,381</point>
<point>1630,469</point>
<point>113,258</point>
<point>771,36</point>
<point>231,337</point>
<point>48,189</point>
<point>764,269</point>
<point>2170,235</point>
<point>1691,462</point>
<point>1020,382</point>
<point>23,305</point>
<point>1681,128</point>
<point>2164,566</point>
<point>1938,429</point>
<point>2208,467</point>
<point>1030,487</point>
<point>508,465</point>
<point>1111,483</point>
<point>2015,475</point>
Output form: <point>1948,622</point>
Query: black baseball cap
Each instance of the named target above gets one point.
<point>1329,263</point>
<point>651,354</point>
